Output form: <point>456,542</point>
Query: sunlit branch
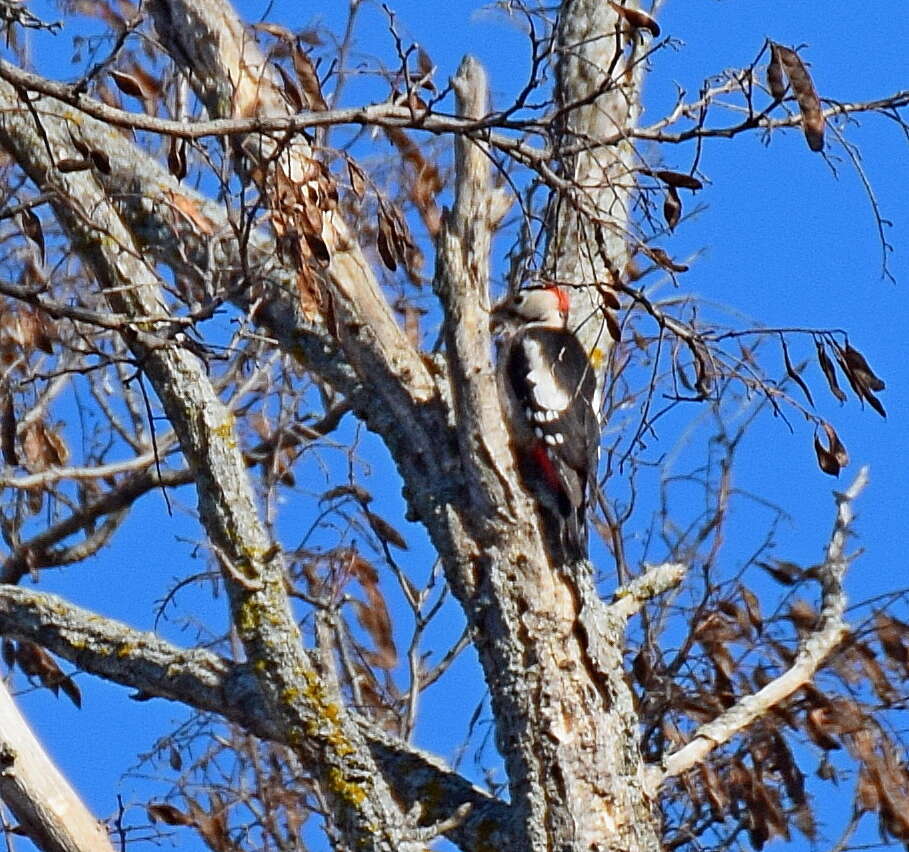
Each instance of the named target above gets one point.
<point>831,629</point>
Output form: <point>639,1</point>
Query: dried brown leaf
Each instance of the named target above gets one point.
<point>384,243</point>
<point>34,330</point>
<point>100,161</point>
<point>875,403</point>
<point>357,178</point>
<point>71,691</point>
<point>861,369</point>
<point>753,609</point>
<point>357,492</point>
<point>425,65</point>
<point>816,727</point>
<point>291,90</point>
<point>35,662</point>
<point>175,759</point>
<point>722,659</point>
<point>43,447</point>
<point>608,297</point>
<point>373,614</point>
<point>317,248</point>
<point>826,460</point>
<point>803,616</point>
<point>836,445</point>
<point>717,797</point>
<point>833,457</point>
<point>871,668</point>
<point>275,30</point>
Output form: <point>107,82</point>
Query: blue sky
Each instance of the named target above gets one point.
<point>782,238</point>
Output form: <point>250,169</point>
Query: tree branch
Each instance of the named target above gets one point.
<point>48,809</point>
<point>830,631</point>
<point>209,683</point>
<point>252,568</point>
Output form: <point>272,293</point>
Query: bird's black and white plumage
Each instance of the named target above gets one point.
<point>549,393</point>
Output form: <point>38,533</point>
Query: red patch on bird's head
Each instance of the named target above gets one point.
<point>562,295</point>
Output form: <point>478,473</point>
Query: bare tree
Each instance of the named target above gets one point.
<point>202,291</point>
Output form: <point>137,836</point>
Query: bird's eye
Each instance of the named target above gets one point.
<point>519,299</point>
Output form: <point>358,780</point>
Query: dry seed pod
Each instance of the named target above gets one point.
<point>860,367</point>
<point>831,459</point>
<point>100,161</point>
<point>803,88</point>
<point>829,372</point>
<point>73,164</point>
<point>291,90</point>
<point>637,19</point>
<point>672,208</point>
<point>128,84</point>
<point>664,260</point>
<point>357,178</point>
<point>793,373</point>
<point>384,243</point>
<point>678,179</point>
<point>31,227</point>
<point>776,82</point>
<point>8,427</point>
<point>308,79</point>
<point>176,158</point>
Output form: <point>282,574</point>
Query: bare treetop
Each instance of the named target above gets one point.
<point>229,246</point>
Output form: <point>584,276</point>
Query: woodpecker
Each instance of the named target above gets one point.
<point>549,396</point>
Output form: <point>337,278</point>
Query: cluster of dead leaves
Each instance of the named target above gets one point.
<point>299,208</point>
<point>833,456</point>
<point>37,445</point>
<point>35,663</point>
<point>761,780</point>
<point>303,91</point>
<point>394,242</point>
